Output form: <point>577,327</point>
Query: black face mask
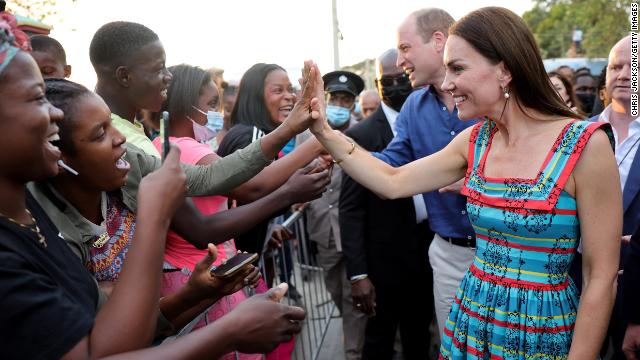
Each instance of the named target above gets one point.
<point>586,100</point>
<point>395,95</point>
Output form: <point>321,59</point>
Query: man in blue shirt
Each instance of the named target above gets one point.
<point>427,122</point>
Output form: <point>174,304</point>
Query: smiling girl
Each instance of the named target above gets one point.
<point>265,99</point>
<point>191,96</point>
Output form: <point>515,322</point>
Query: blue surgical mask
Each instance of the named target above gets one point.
<point>337,116</point>
<point>215,120</point>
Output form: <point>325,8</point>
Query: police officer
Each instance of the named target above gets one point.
<point>342,88</point>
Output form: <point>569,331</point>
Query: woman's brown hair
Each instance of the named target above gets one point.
<point>502,36</point>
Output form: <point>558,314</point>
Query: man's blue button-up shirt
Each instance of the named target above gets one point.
<point>423,127</point>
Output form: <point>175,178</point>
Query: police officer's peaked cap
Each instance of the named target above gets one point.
<point>343,81</point>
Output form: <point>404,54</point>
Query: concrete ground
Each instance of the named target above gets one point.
<point>332,348</point>
<point>322,334</point>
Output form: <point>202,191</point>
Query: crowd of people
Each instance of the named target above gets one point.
<point>507,193</point>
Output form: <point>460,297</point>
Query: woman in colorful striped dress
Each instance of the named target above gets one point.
<point>537,181</point>
<point>527,231</point>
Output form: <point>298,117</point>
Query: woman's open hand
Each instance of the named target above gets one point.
<point>307,109</point>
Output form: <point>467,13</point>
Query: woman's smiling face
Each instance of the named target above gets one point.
<point>28,123</point>
<point>475,83</point>
<point>279,95</point>
<point>98,148</point>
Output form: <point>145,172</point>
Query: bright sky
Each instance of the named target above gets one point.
<point>235,34</point>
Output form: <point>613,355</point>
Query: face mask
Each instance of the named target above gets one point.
<point>337,116</point>
<point>587,101</point>
<point>201,132</point>
<point>395,95</point>
<point>215,120</point>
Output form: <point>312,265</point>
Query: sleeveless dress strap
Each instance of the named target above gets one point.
<point>478,141</point>
<point>541,193</point>
<point>570,147</point>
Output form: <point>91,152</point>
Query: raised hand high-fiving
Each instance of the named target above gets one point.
<point>307,109</point>
<point>315,86</point>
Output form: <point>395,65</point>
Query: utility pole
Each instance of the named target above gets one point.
<point>337,36</point>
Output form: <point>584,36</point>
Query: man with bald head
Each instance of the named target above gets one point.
<point>383,242</point>
<point>369,102</point>
<point>627,136</point>
<point>427,123</point>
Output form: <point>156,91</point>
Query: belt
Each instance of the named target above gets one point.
<point>469,241</point>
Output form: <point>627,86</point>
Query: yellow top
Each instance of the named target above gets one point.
<point>134,132</point>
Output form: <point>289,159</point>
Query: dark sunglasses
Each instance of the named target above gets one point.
<point>388,80</point>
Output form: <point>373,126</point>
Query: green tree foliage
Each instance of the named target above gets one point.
<point>603,23</point>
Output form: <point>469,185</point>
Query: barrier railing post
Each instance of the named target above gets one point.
<point>314,296</point>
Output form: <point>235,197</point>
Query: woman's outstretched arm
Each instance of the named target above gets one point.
<point>427,174</point>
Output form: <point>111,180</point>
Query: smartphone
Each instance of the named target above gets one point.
<point>233,265</point>
<point>165,139</point>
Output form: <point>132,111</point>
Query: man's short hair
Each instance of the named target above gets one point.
<point>114,43</point>
<point>431,20</point>
<point>46,44</point>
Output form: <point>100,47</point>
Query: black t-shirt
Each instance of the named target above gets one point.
<point>48,299</point>
<point>238,137</point>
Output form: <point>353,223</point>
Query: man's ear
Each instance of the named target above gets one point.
<point>123,76</point>
<point>67,71</point>
<point>439,39</point>
<point>504,75</point>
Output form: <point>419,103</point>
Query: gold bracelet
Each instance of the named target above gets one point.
<point>353,147</point>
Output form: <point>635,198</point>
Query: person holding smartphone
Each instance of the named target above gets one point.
<point>192,95</point>
<point>102,238</point>
<point>48,299</point>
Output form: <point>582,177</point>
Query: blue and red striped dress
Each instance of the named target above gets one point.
<point>517,300</point>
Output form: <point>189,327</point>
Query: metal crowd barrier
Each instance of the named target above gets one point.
<point>294,264</point>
